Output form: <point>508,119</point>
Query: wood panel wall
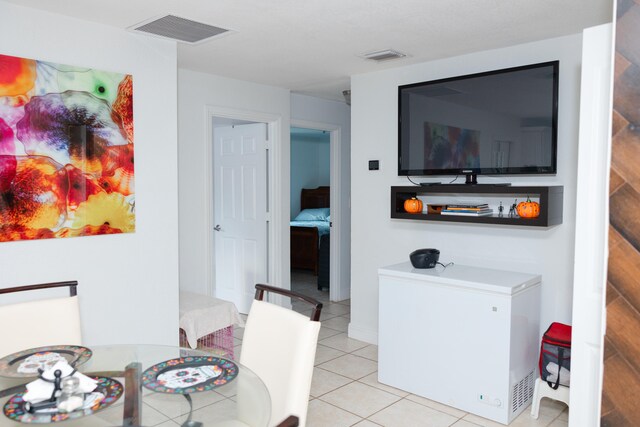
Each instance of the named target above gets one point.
<point>621,391</point>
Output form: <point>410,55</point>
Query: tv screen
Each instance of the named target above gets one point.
<point>497,122</point>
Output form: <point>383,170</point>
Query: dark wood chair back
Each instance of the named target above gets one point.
<point>291,421</point>
<point>317,305</point>
<point>72,284</point>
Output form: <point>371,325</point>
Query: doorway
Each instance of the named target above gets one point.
<point>277,214</point>
<point>242,219</point>
<point>339,288</point>
<point>310,232</point>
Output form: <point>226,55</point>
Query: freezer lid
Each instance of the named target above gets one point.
<point>472,278</point>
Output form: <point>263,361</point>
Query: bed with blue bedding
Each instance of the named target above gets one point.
<point>322,226</point>
<point>308,228</point>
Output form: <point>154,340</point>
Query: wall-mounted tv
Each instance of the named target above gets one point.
<point>497,122</point>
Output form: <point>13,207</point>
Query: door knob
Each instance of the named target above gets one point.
<point>217,227</point>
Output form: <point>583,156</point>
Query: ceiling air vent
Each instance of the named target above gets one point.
<point>180,29</point>
<point>383,55</point>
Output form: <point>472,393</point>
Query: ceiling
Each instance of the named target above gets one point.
<point>312,46</point>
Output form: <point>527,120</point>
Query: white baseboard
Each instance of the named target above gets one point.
<point>343,294</point>
<point>363,334</point>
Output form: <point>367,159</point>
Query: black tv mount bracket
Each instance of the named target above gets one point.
<point>471,178</point>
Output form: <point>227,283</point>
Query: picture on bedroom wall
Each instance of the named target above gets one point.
<point>66,151</point>
<point>450,147</point>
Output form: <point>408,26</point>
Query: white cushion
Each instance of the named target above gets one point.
<point>39,323</point>
<point>280,346</point>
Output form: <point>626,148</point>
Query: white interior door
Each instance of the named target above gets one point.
<point>240,204</point>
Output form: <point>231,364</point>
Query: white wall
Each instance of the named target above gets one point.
<point>196,92</point>
<point>128,284</point>
<point>324,164</point>
<point>378,240</point>
<point>310,109</point>
<point>310,167</point>
<point>592,251</point>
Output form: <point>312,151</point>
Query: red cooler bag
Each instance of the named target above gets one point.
<point>555,355</point>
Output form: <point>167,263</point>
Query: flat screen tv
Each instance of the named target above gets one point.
<point>497,122</point>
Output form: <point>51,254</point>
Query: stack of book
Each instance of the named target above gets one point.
<point>468,210</point>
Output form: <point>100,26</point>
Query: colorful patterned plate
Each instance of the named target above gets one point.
<point>188,375</point>
<point>111,391</point>
<point>25,363</point>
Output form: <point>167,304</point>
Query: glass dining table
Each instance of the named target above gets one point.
<point>145,385</point>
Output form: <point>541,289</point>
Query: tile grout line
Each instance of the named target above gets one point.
<point>194,410</point>
<point>345,410</point>
<point>340,375</point>
<point>338,388</point>
<point>323,362</point>
<point>366,419</point>
<point>399,399</point>
<point>558,417</point>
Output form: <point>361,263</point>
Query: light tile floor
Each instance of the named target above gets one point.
<point>345,390</point>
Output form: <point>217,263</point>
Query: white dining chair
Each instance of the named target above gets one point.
<point>51,321</point>
<point>279,345</point>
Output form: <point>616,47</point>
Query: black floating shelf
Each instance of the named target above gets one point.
<point>550,203</point>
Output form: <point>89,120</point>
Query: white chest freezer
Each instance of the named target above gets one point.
<point>463,336</point>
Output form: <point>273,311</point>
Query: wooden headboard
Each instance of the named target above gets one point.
<point>314,198</point>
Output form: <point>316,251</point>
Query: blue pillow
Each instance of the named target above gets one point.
<point>318,214</point>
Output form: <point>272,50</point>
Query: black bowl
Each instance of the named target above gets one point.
<point>424,258</point>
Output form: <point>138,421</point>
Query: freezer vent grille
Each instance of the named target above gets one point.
<point>522,392</point>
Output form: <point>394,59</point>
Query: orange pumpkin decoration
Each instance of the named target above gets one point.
<point>413,205</point>
<point>528,209</point>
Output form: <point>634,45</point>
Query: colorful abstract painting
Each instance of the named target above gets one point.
<point>66,151</point>
<point>450,147</point>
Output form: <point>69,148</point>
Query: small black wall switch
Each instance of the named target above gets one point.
<point>374,165</point>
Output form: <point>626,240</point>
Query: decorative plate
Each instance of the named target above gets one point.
<point>106,393</point>
<point>26,363</point>
<point>188,375</point>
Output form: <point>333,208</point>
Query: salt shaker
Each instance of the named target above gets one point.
<point>71,398</point>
